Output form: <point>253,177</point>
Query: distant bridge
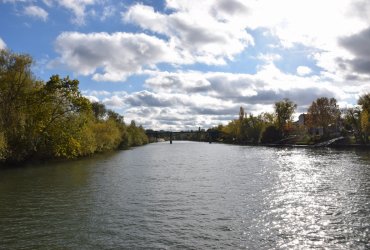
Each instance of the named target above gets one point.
<point>197,135</point>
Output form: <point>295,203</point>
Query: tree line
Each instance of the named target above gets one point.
<point>43,120</point>
<point>324,120</point>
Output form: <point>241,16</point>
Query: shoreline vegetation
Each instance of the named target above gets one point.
<point>341,143</point>
<point>323,125</point>
<point>52,120</point>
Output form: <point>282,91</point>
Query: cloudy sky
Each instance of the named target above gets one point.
<point>180,64</point>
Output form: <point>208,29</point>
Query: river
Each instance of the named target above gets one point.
<point>190,195</point>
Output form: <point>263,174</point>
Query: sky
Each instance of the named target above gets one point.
<point>184,64</point>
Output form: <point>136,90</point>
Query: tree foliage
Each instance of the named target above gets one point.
<point>323,112</point>
<point>52,119</point>
<point>244,130</point>
<point>364,101</point>
<point>278,127</point>
<point>284,110</point>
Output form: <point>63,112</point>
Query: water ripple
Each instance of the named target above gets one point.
<point>191,196</point>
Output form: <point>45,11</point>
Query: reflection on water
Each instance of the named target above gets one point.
<point>191,196</point>
<point>319,199</point>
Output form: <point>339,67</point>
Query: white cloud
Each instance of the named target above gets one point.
<point>108,11</point>
<point>203,31</point>
<point>303,70</point>
<point>96,92</point>
<point>36,11</point>
<point>189,99</point>
<point>315,24</point>
<point>112,57</point>
<point>2,44</point>
<point>92,98</point>
<point>269,58</point>
<point>78,8</point>
<point>114,101</point>
<point>188,43</point>
<point>48,3</point>
<point>267,86</point>
<point>171,111</point>
<point>214,32</point>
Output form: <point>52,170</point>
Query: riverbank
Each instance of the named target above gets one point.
<point>362,146</point>
<point>340,142</point>
<point>337,142</point>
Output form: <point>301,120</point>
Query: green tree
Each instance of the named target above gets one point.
<point>99,110</point>
<point>268,118</point>
<point>352,120</point>
<point>137,136</point>
<point>255,127</point>
<point>241,133</point>
<point>64,116</point>
<point>364,101</point>
<point>284,110</point>
<point>365,125</point>
<point>241,114</point>
<point>53,119</point>
<point>107,135</point>
<point>232,131</point>
<point>18,95</point>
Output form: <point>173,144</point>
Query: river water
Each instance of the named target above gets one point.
<point>190,195</point>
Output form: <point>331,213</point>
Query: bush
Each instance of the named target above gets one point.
<point>271,135</point>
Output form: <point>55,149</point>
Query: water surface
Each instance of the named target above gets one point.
<point>190,196</point>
